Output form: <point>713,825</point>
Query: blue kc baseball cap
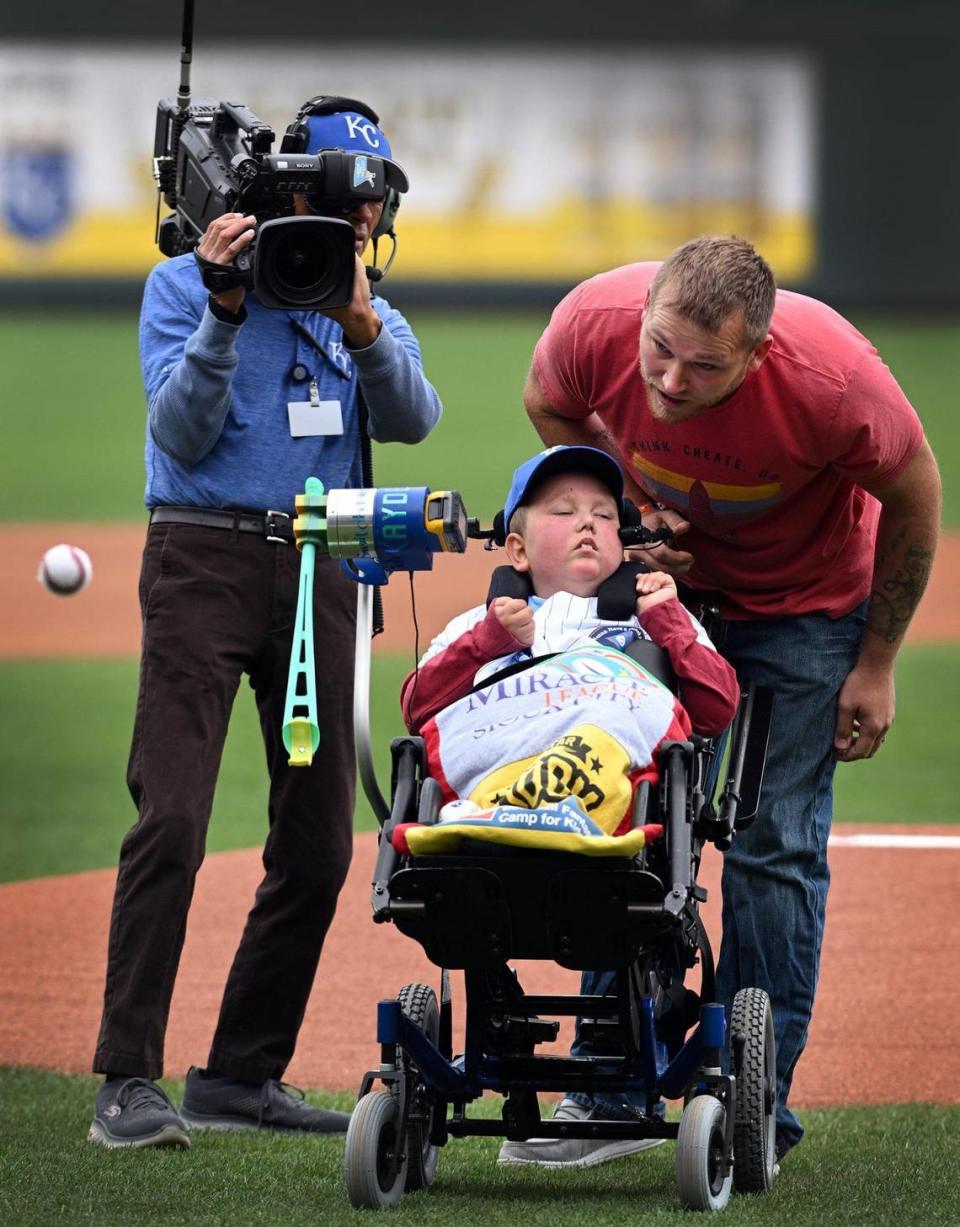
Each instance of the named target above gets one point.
<point>355,133</point>
<point>562,459</point>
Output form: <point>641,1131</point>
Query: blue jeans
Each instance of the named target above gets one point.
<point>775,875</point>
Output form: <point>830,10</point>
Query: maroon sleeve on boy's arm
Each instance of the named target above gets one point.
<point>449,675</point>
<point>708,684</point>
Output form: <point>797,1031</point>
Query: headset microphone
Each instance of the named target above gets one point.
<point>378,274</point>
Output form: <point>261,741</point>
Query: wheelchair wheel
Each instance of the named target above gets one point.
<point>755,1124</point>
<point>374,1178</point>
<point>419,1003</point>
<point>701,1181</point>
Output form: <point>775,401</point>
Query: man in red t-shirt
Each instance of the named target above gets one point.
<point>767,433</point>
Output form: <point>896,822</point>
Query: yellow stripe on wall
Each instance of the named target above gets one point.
<point>572,241</point>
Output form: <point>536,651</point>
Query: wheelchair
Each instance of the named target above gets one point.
<point>479,909</point>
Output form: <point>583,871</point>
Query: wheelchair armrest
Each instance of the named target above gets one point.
<point>408,765</point>
<point>654,659</point>
<point>748,755</point>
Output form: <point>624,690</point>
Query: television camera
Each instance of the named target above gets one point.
<point>213,157</point>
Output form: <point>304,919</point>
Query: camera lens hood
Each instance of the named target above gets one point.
<point>304,263</point>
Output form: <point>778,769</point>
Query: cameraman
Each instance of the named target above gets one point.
<point>244,403</point>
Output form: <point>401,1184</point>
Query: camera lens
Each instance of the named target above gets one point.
<point>305,262</point>
<point>298,265</point>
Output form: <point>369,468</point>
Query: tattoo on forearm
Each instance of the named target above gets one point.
<point>893,601</point>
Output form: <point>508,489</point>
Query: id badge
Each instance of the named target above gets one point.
<point>323,417</point>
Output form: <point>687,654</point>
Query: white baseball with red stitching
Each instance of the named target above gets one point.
<point>65,570</point>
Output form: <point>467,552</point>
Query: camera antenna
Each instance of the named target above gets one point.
<point>186,59</point>
<point>165,164</point>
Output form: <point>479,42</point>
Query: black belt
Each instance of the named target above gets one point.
<point>273,525</point>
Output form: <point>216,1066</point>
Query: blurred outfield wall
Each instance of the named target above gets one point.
<point>507,182</point>
<point>544,142</point>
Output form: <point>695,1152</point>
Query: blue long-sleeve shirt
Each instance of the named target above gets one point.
<point>218,432</point>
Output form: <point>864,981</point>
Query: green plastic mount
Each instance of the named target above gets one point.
<point>310,524</point>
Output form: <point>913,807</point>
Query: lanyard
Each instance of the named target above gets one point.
<point>319,347</point>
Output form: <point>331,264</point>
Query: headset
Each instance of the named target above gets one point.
<point>632,533</point>
<point>295,141</point>
<point>616,596</point>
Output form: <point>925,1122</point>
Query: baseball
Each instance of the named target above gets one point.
<point>65,569</point>
<point>461,807</point>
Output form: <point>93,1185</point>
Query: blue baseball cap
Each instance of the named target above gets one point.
<point>562,459</point>
<point>355,133</point>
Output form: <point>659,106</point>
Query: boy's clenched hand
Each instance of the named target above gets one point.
<point>654,587</point>
<point>516,616</point>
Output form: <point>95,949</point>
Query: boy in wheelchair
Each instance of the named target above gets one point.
<point>546,714</point>
<point>530,699</point>
<point>529,704</point>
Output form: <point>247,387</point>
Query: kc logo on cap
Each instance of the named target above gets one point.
<point>369,131</point>
<point>346,130</point>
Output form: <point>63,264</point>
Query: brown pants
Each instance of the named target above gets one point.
<point>217,604</point>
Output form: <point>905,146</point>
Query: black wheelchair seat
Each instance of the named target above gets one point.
<point>478,911</point>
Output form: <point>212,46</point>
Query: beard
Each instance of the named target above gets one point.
<point>669,414</point>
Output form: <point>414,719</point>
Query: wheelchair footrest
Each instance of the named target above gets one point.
<point>519,1030</point>
<point>602,1034</point>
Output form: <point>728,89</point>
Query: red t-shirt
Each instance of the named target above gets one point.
<point>768,477</point>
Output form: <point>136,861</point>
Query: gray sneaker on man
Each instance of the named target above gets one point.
<point>573,1152</point>
<point>135,1112</point>
<point>212,1102</point>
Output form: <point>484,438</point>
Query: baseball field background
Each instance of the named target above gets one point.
<point>879,1087</point>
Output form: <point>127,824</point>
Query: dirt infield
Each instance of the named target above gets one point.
<point>886,1029</point>
<point>104,619</point>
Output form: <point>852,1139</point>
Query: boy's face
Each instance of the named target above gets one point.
<point>570,541</point>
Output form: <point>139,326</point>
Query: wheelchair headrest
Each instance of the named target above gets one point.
<point>616,596</point>
<point>616,602</point>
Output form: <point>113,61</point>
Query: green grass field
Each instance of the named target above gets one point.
<point>887,1167</point>
<point>93,406</point>
<point>70,813</point>
<point>66,808</point>
<point>90,402</point>
<point>73,450</point>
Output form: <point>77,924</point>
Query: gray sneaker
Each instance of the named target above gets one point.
<point>211,1102</point>
<point>573,1152</point>
<point>135,1112</point>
